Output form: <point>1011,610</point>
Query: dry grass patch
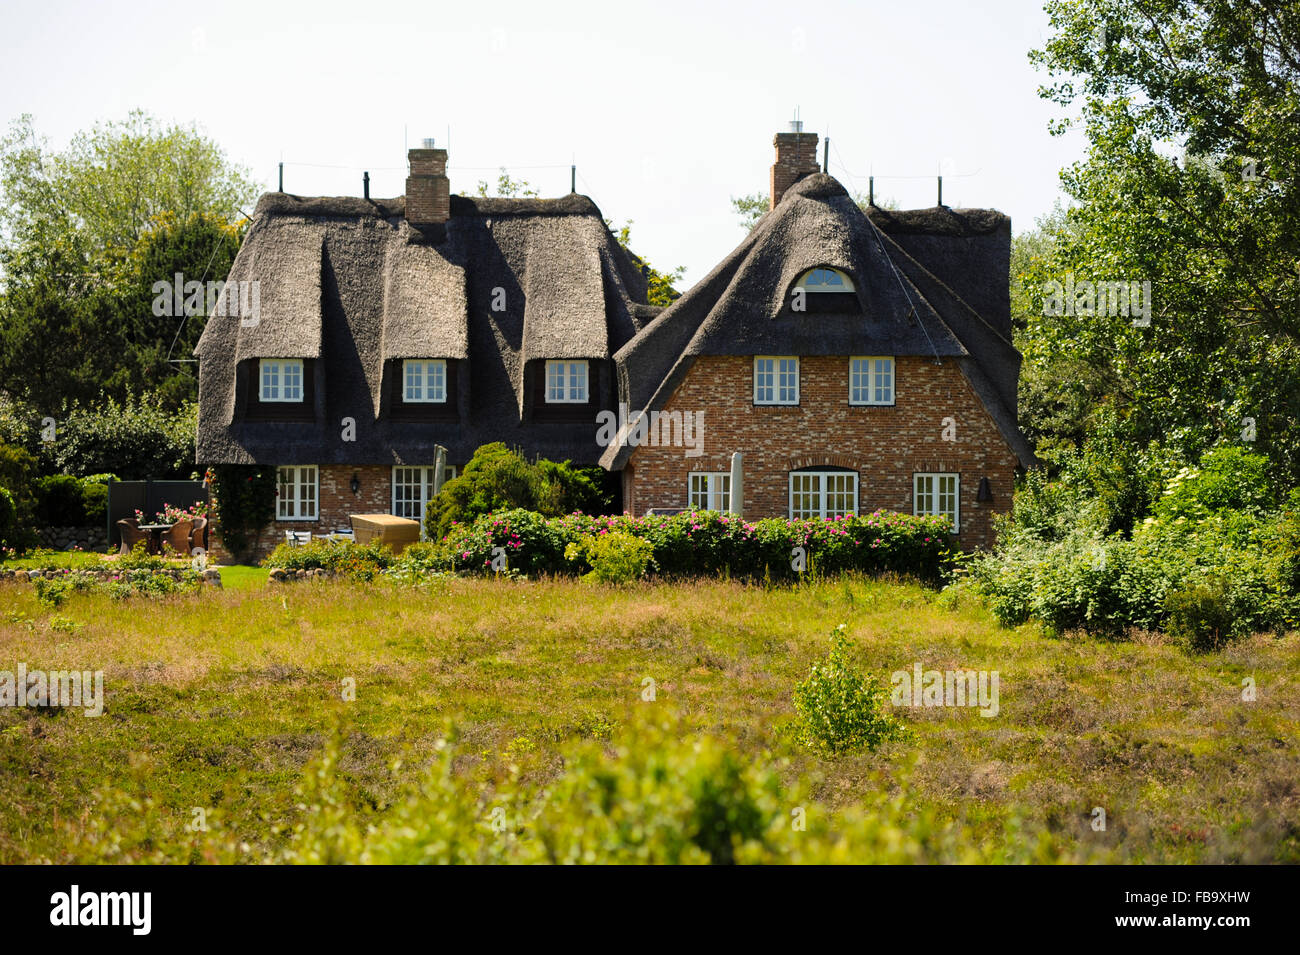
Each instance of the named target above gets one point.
<point>221,699</point>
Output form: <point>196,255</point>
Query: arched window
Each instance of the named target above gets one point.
<point>825,280</point>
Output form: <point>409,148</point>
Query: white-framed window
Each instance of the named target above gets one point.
<point>938,493</point>
<point>424,381</point>
<point>776,380</point>
<point>871,380</point>
<point>566,382</point>
<point>297,489</point>
<point>280,379</point>
<point>825,280</point>
<point>413,489</point>
<point>710,490</point>
<point>823,494</point>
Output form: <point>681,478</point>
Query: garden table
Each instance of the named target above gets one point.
<point>156,532</point>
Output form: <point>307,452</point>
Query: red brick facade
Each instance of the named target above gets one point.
<point>886,445</point>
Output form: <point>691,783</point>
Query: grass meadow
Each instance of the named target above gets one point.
<point>222,701</point>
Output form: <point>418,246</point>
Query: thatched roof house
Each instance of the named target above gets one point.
<point>855,359</point>
<point>931,283</point>
<point>353,288</point>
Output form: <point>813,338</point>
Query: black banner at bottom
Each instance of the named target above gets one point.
<point>148,905</point>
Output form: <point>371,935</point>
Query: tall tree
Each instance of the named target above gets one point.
<point>84,234</point>
<point>1191,109</point>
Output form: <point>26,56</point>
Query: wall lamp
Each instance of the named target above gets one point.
<point>355,484</point>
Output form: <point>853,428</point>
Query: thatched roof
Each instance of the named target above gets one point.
<point>350,282</point>
<point>929,282</point>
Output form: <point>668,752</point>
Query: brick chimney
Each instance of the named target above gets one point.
<point>796,157</point>
<point>428,191</point>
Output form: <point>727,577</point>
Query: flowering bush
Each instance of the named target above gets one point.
<point>700,543</point>
<point>171,514</point>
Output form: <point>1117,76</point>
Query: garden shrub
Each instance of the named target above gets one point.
<point>65,501</point>
<point>499,479</point>
<point>52,592</point>
<point>140,559</point>
<point>346,558</point>
<point>617,558</point>
<point>1200,615</point>
<point>563,489</point>
<point>130,581</point>
<point>60,501</point>
<point>841,710</point>
<point>94,502</point>
<point>9,529</point>
<point>1211,542</point>
<point>17,474</point>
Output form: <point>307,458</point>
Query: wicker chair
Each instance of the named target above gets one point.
<point>178,536</point>
<point>132,535</point>
<point>199,534</point>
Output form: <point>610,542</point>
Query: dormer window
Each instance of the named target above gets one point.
<point>280,379</point>
<point>566,382</point>
<point>825,280</point>
<point>824,291</point>
<point>424,381</point>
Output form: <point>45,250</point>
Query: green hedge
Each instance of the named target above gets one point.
<point>65,501</point>
<point>699,543</point>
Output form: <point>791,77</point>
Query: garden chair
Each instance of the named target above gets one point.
<point>199,534</point>
<point>132,535</point>
<point>178,536</point>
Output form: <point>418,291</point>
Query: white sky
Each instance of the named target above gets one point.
<point>668,107</point>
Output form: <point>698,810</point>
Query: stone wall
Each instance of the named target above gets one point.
<point>94,538</point>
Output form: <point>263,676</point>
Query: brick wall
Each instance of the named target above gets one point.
<point>428,191</point>
<point>885,445</point>
<point>335,504</point>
